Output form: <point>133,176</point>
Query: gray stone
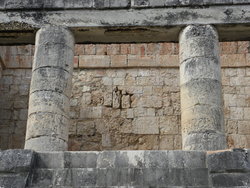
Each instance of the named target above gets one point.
<point>201,96</point>
<point>139,3</point>
<point>159,3</point>
<point>50,90</point>
<point>63,177</point>
<point>201,91</point>
<point>50,160</point>
<point>85,176</point>
<point>50,102</point>
<point>199,67</point>
<point>46,143</point>
<point>130,159</point>
<point>101,4</point>
<point>202,118</point>
<point>15,161</point>
<point>231,179</point>
<point>172,2</point>
<point>106,159</point>
<point>42,177</point>
<point>229,161</point>
<point>36,127</point>
<point>81,159</point>
<point>13,180</point>
<point>119,3</point>
<point>207,141</point>
<point>217,2</point>
<point>58,55</point>
<point>51,79</point>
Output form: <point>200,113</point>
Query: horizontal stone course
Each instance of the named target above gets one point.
<point>108,4</point>
<point>125,168</point>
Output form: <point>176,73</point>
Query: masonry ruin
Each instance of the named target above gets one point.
<point>125,93</point>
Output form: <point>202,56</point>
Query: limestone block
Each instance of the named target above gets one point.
<point>233,161</point>
<point>56,55</point>
<point>158,3</point>
<point>50,160</point>
<point>145,125</point>
<point>19,4</point>
<point>201,92</point>
<point>125,101</point>
<point>100,4</point>
<point>81,159</point>
<point>139,3</point>
<point>168,125</point>
<point>235,179</point>
<point>42,177</point>
<point>53,4</point>
<point>130,159</point>
<point>208,140</point>
<point>40,124</point>
<point>198,41</point>
<point>49,36</point>
<point>45,143</point>
<point>48,101</point>
<point>13,180</point>
<point>79,4</point>
<point>201,118</point>
<point>51,79</point>
<point>16,161</point>
<point>199,68</point>
<point>94,61</point>
<point>119,3</point>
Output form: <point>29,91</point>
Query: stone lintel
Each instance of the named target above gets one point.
<point>129,25</point>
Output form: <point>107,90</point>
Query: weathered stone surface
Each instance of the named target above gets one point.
<point>209,140</point>
<point>196,169</point>
<point>58,55</point>
<point>36,127</point>
<point>199,68</point>
<point>229,161</point>
<point>46,143</point>
<point>51,160</point>
<point>49,101</point>
<point>200,118</point>
<point>201,91</point>
<point>51,79</point>
<point>15,167</point>
<point>50,90</point>
<point>15,161</point>
<point>201,95</point>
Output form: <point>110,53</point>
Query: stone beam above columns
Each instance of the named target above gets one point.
<point>143,24</point>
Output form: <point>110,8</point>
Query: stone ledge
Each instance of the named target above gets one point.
<point>111,4</point>
<point>15,167</point>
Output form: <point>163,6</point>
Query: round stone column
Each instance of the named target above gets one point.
<point>48,116</point>
<point>202,118</point>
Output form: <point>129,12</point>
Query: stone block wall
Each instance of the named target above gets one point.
<point>25,168</point>
<point>125,97</point>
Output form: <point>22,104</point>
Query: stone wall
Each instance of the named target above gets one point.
<point>125,96</point>
<point>25,168</point>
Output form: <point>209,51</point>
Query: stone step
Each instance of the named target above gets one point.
<point>122,159</point>
<point>121,168</point>
<point>120,177</point>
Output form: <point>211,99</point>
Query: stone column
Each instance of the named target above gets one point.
<point>48,117</point>
<point>202,118</point>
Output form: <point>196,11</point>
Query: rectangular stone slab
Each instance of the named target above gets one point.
<point>129,25</point>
